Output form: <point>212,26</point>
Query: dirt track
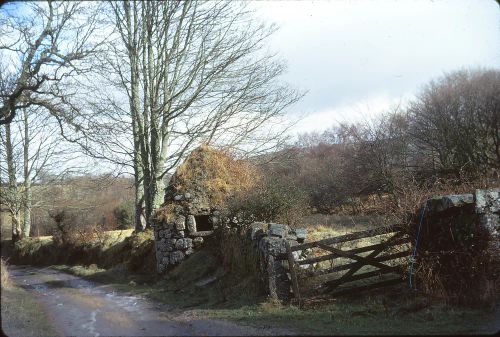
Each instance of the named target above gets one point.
<point>82,308</point>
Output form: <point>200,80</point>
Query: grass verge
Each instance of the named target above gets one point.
<point>134,251</point>
<point>365,317</point>
<point>22,315</point>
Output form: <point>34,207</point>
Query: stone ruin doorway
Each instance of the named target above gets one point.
<point>202,223</point>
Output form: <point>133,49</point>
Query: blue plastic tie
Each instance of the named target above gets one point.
<point>412,262</point>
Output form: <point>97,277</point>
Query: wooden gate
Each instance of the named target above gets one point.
<point>334,270</point>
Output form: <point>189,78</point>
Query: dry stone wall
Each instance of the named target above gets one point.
<point>188,220</point>
<point>457,243</point>
<point>487,206</point>
<point>482,206</point>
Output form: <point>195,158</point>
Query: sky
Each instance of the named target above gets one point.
<point>359,58</point>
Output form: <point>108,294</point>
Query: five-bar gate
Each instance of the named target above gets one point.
<point>338,271</point>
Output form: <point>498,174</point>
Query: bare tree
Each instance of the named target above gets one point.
<point>456,123</point>
<point>193,73</point>
<point>10,196</point>
<point>43,45</point>
<point>32,146</point>
<point>350,161</point>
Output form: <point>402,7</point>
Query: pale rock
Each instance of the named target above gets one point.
<point>184,243</point>
<point>191,223</point>
<point>180,223</point>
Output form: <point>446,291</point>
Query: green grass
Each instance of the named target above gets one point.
<point>82,271</point>
<point>179,287</point>
<point>365,316</point>
<point>349,223</point>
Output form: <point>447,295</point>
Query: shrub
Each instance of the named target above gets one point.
<point>452,261</point>
<point>453,257</point>
<point>237,253</point>
<point>239,260</point>
<point>136,252</point>
<point>37,251</point>
<point>65,222</point>
<point>271,200</point>
<point>124,215</point>
<point>141,253</point>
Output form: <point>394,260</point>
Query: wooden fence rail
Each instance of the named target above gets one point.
<point>379,254</point>
<point>349,237</point>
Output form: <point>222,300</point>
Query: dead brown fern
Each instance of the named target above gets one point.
<point>216,172</point>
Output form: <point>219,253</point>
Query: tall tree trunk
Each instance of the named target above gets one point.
<point>131,38</point>
<point>148,142</point>
<point>27,200</point>
<point>159,195</point>
<point>140,220</point>
<point>27,205</point>
<point>148,197</point>
<point>13,200</point>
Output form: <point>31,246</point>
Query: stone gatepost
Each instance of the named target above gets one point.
<point>270,240</point>
<point>482,206</point>
<point>488,209</point>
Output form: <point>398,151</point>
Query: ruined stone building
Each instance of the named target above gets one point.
<point>191,209</point>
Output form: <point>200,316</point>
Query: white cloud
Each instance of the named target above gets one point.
<point>356,111</point>
<point>350,54</point>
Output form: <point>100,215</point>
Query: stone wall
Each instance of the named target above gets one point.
<point>457,255</point>
<point>182,227</point>
<point>177,238</point>
<point>482,206</point>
